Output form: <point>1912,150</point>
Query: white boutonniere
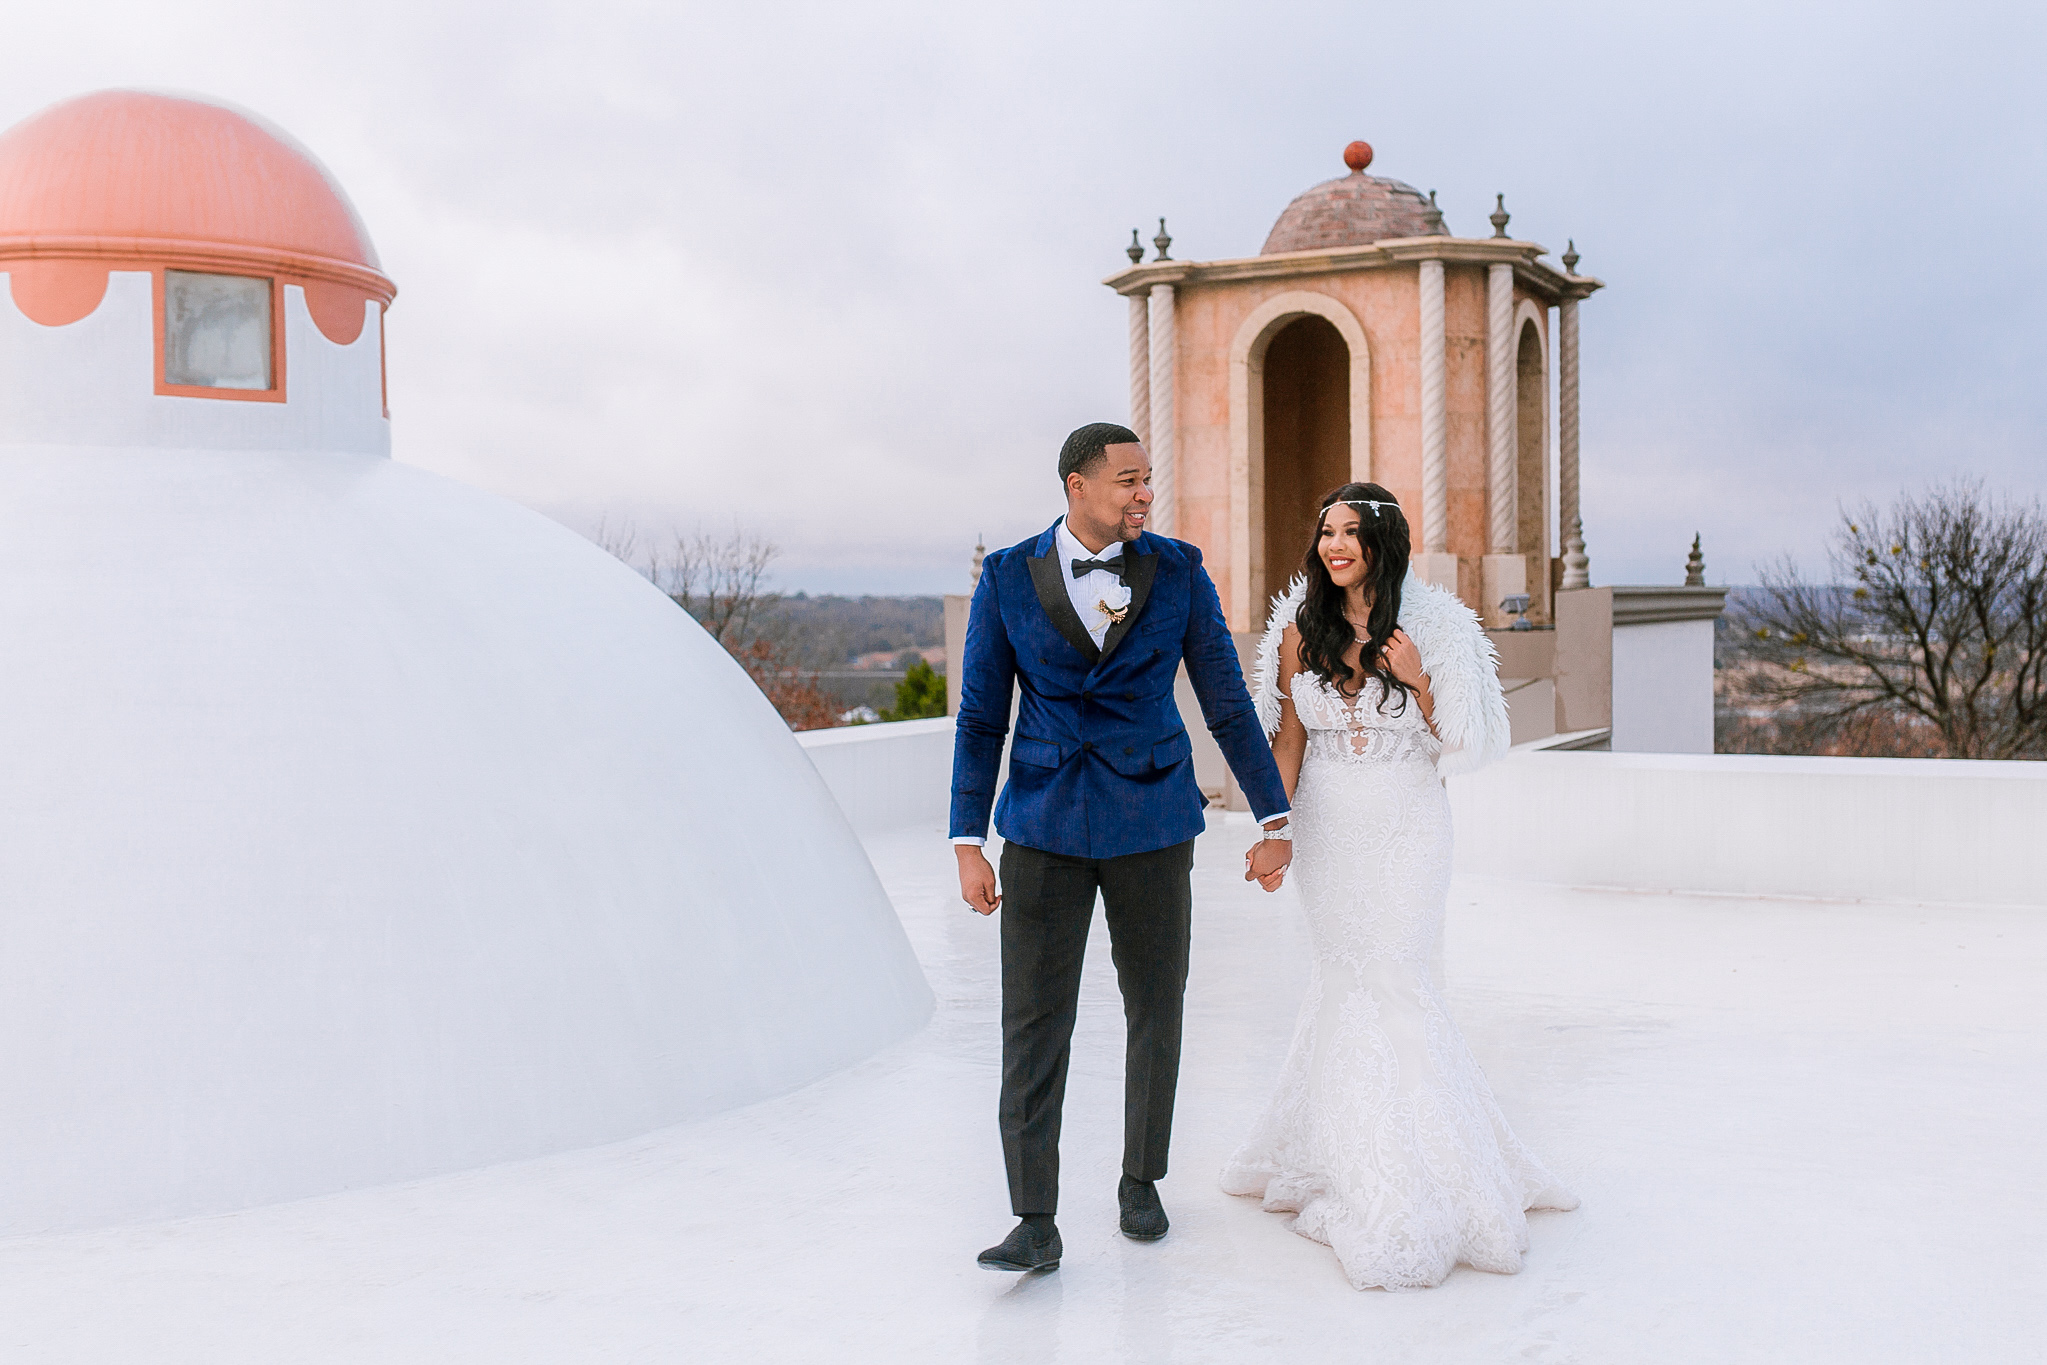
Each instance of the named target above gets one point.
<point>1114,604</point>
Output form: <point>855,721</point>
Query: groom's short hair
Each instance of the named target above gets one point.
<point>1085,448</point>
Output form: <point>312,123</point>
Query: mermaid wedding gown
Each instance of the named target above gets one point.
<point>1383,1136</point>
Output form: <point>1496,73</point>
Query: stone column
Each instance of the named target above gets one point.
<point>1140,365</point>
<point>1505,571</point>
<point>1434,562</point>
<point>1577,568</point>
<point>1160,436</point>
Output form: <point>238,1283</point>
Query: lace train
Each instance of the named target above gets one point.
<point>1383,1136</point>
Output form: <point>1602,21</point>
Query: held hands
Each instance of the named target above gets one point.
<point>977,879</point>
<point>1267,861</point>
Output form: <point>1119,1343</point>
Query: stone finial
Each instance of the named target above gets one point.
<point>1357,156</point>
<point>1695,567</point>
<point>980,550</point>
<point>1135,251</point>
<point>1435,217</point>
<point>1162,241</point>
<point>1577,566</point>
<point>1499,216</point>
<point>1570,257</point>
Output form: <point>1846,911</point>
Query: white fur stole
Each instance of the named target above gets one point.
<point>1463,669</point>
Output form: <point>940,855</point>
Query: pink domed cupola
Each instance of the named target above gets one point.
<point>1355,210</point>
<point>1366,341</point>
<point>175,266</point>
<point>129,176</point>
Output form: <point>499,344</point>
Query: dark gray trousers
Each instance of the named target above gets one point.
<point>1048,901</point>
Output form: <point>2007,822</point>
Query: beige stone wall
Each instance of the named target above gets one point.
<point>1205,323</point>
<point>1464,384</point>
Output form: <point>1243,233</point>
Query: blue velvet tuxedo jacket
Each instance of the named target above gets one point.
<point>1102,765</point>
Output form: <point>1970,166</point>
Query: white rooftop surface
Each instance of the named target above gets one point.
<point>1803,1131</point>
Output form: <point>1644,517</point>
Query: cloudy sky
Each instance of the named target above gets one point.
<point>831,270</point>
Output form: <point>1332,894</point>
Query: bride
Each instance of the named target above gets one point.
<point>1383,1137</point>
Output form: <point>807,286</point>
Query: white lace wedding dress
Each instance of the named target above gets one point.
<point>1383,1136</point>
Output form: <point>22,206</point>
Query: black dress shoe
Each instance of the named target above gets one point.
<point>1024,1249</point>
<point>1144,1218</point>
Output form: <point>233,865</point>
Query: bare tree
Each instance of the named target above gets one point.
<point>723,582</point>
<point>1936,622</point>
<point>720,580</point>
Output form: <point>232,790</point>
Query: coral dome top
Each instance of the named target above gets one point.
<point>127,173</point>
<point>1354,210</point>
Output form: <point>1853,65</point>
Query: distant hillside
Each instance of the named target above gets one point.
<point>836,630</point>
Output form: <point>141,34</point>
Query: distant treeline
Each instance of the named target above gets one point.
<point>833,630</point>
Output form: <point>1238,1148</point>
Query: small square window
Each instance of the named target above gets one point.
<point>216,330</point>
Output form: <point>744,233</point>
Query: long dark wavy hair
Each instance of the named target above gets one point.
<point>1326,633</point>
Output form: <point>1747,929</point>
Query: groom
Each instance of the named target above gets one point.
<point>1092,619</point>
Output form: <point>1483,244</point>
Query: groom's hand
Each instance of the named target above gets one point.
<point>977,879</point>
<point>1267,861</point>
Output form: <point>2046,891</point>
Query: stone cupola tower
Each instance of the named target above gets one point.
<point>1364,342</point>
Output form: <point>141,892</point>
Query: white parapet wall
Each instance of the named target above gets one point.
<point>1876,829</point>
<point>1885,829</point>
<point>889,775</point>
<point>1663,688</point>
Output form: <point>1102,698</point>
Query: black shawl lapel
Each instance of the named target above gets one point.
<point>1137,576</point>
<point>1046,578</point>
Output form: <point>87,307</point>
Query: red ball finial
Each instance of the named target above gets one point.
<point>1358,155</point>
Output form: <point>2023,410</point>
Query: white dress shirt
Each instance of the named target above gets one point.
<point>1088,593</point>
<point>1091,590</point>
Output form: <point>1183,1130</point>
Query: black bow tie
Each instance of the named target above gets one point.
<point>1083,567</point>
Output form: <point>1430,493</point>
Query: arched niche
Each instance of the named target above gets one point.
<point>1300,424</point>
<point>1531,453</point>
<point>1307,434</point>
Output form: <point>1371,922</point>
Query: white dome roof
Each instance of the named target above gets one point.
<point>359,825</point>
